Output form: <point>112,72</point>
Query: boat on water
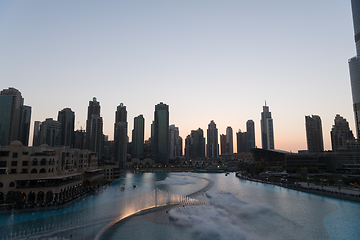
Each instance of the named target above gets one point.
<point>134,185</point>
<point>122,187</point>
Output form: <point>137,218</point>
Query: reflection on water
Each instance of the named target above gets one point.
<point>235,209</point>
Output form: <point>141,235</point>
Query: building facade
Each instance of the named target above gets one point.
<point>314,136</point>
<point>138,137</point>
<point>212,146</point>
<point>67,119</point>
<point>354,66</point>
<point>267,129</point>
<point>340,133</point>
<point>91,130</point>
<point>229,141</point>
<point>250,135</point>
<point>161,133</point>
<point>241,139</point>
<point>120,135</point>
<point>175,142</point>
<point>50,132</point>
<point>14,118</point>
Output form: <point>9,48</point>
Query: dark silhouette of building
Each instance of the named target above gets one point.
<point>67,119</point>
<point>161,133</point>
<point>223,144</point>
<point>120,135</point>
<point>14,117</point>
<point>267,129</point>
<point>250,135</point>
<point>50,132</point>
<point>314,134</point>
<point>241,138</point>
<point>212,146</point>
<point>175,142</point>
<point>138,137</point>
<point>340,133</point>
<point>354,65</point>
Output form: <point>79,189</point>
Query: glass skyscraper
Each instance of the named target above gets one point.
<point>120,135</point>
<point>354,65</point>
<point>161,133</point>
<point>267,130</point>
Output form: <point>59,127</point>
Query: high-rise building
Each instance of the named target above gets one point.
<point>212,146</point>
<point>79,139</point>
<point>314,134</point>
<point>267,129</point>
<point>67,119</point>
<point>138,137</point>
<point>229,141</point>
<point>36,135</point>
<point>92,133</point>
<point>223,144</point>
<point>241,139</point>
<point>354,65</point>
<point>175,142</point>
<point>94,137</point>
<point>13,125</point>
<point>25,125</point>
<point>120,135</point>
<point>250,135</point>
<point>50,132</point>
<point>195,147</point>
<point>340,133</point>
<point>161,133</point>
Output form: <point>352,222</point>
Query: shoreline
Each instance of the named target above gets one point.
<point>313,190</point>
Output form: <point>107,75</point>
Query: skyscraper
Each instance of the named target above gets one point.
<point>229,140</point>
<point>50,132</point>
<point>13,125</point>
<point>241,138</point>
<point>138,137</point>
<point>120,135</point>
<point>25,125</point>
<point>267,130</point>
<point>340,133</point>
<point>36,134</point>
<point>161,133</point>
<point>212,146</point>
<point>67,119</point>
<point>354,65</point>
<point>94,128</point>
<point>314,134</point>
<point>250,135</point>
<point>223,144</point>
<point>175,142</point>
<point>195,144</point>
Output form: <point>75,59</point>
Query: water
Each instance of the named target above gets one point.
<point>233,209</point>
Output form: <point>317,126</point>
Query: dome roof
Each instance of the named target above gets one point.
<point>16,143</point>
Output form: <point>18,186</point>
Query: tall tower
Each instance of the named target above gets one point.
<point>250,135</point>
<point>223,144</point>
<point>138,137</point>
<point>340,133</point>
<point>212,146</point>
<point>267,130</point>
<point>161,133</point>
<point>175,142</point>
<point>314,134</point>
<point>94,128</point>
<point>241,141</point>
<point>229,140</point>
<point>67,119</point>
<point>120,135</point>
<point>36,135</point>
<point>354,65</point>
<point>50,132</point>
<point>13,126</point>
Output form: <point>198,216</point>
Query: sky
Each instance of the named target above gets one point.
<point>208,60</point>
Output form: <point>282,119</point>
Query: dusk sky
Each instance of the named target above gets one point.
<point>208,60</point>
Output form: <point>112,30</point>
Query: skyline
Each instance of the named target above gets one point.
<point>206,60</point>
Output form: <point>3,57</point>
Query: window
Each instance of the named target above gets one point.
<point>2,171</point>
<point>4,153</point>
<point>25,163</point>
<point>24,170</point>
<point>42,170</point>
<point>14,163</point>
<point>15,155</point>
<point>34,170</point>
<point>12,184</point>
<point>35,162</point>
<point>43,162</point>
<point>2,163</point>
<point>13,171</point>
<point>25,153</point>
<point>1,184</point>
